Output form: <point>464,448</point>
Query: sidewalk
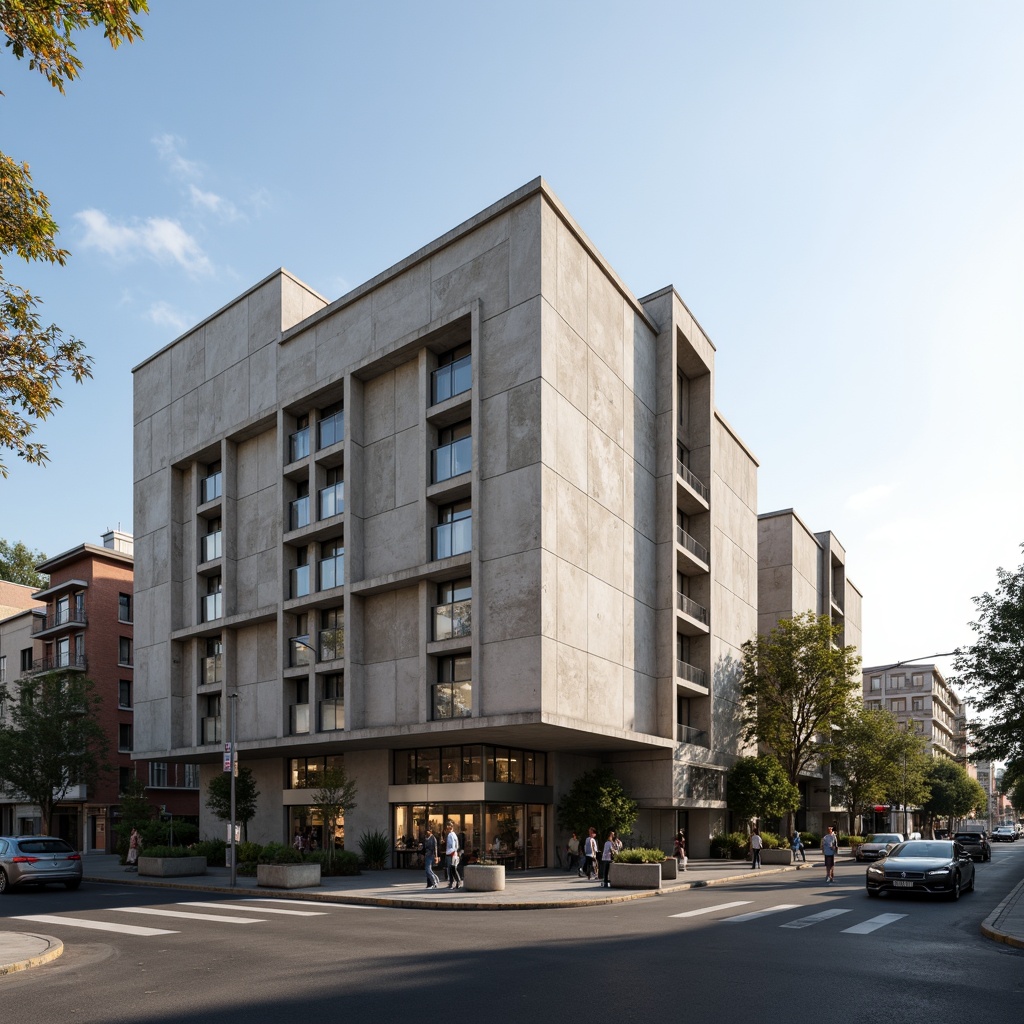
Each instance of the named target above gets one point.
<point>531,890</point>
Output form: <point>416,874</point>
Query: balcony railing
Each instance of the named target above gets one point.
<point>209,730</point>
<point>213,666</point>
<point>298,513</point>
<point>694,547</point>
<point>453,620</point>
<point>60,661</point>
<point>332,500</point>
<point>332,714</point>
<point>688,734</point>
<point>213,607</point>
<point>453,538</point>
<point>298,581</point>
<point>332,571</point>
<point>452,459</point>
<point>332,644</point>
<point>331,430</point>
<point>211,487</point>
<point>210,546</point>
<point>693,480</point>
<point>66,617</point>
<point>300,651</point>
<point>684,670</point>
<point>298,445</point>
<point>690,607</point>
<point>298,719</point>
<point>453,379</point>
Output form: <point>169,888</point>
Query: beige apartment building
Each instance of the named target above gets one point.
<point>474,528</point>
<point>802,571</point>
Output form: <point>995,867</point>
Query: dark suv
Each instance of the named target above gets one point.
<point>975,844</point>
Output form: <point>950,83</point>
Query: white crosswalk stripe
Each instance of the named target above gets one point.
<point>99,926</point>
<point>806,922</point>
<point>188,916</point>
<point>261,910</point>
<point>867,927</point>
<point>711,910</point>
<point>754,914</point>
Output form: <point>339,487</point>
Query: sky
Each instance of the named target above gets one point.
<point>835,190</point>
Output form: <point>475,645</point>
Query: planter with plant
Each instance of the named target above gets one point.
<point>170,862</point>
<point>638,868</point>
<point>283,867</point>
<point>484,876</point>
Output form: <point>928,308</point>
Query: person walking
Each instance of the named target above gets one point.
<point>590,854</point>
<point>572,848</point>
<point>679,849</point>
<point>830,847</point>
<point>607,855</point>
<point>756,842</point>
<point>797,846</point>
<point>451,856</point>
<point>429,857</point>
<point>134,843</point>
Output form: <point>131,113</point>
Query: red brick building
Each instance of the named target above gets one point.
<point>88,626</point>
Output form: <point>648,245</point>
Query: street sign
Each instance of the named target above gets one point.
<point>227,756</point>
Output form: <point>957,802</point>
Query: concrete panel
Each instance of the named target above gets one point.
<point>510,350</point>
<point>482,241</point>
<point>524,421</point>
<point>407,629</point>
<point>152,502</point>
<point>604,692</point>
<point>410,687</point>
<point>263,313</point>
<point>263,380</point>
<point>379,628</point>
<point>408,399</point>
<point>510,605</point>
<point>185,423</point>
<point>604,544</point>
<point>484,278</point>
<point>392,541</point>
<point>409,447</point>
<point>604,469</point>
<point>379,477</point>
<point>297,366</point>
<point>188,364</point>
<point>379,694</point>
<point>572,519</point>
<point>401,305</point>
<point>604,319</point>
<point>270,588</point>
<point>508,513</point>
<point>571,681</point>
<point>510,680</point>
<point>606,405</point>
<point>371,771</point>
<point>142,443</point>
<point>152,386</point>
<point>571,454</point>
<point>604,616</point>
<point>226,339</point>
<point>571,357</point>
<point>571,280</point>
<point>573,611</point>
<point>343,339</point>
<point>524,271</point>
<point>492,440</point>
<point>378,408</point>
<point>643,374</point>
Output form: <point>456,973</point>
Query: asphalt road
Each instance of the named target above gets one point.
<point>776,946</point>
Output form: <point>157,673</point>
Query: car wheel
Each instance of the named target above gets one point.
<point>970,888</point>
<point>955,894</point>
<point>73,884</point>
<point>3,881</point>
<point>872,892</point>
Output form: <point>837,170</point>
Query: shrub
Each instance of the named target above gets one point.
<point>167,851</point>
<point>212,849</point>
<point>344,862</point>
<point>844,840</point>
<point>738,843</point>
<point>376,849</point>
<point>249,853</point>
<point>247,869</point>
<point>278,853</point>
<point>854,842</point>
<point>772,841</point>
<point>811,839</point>
<point>719,845</point>
<point>640,855</point>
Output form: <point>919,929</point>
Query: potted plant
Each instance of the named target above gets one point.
<point>283,867</point>
<point>639,868</point>
<point>484,876</point>
<point>170,862</point>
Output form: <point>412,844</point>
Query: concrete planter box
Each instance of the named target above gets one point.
<point>288,876</point>
<point>172,867</point>
<point>776,856</point>
<point>484,877</point>
<point>635,876</point>
<point>670,868</point>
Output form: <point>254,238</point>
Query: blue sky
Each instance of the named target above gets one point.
<point>834,190</point>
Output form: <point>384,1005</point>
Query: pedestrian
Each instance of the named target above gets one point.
<point>451,856</point>
<point>830,847</point>
<point>797,846</point>
<point>679,849</point>
<point>616,843</point>
<point>429,857</point>
<point>607,855</point>
<point>134,843</point>
<point>755,849</point>
<point>572,848</point>
<point>590,854</point>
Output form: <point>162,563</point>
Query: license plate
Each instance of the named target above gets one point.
<point>904,885</point>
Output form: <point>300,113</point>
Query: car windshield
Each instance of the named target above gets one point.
<point>883,837</point>
<point>968,837</point>
<point>44,846</point>
<point>925,848</point>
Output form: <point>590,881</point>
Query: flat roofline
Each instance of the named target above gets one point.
<point>736,437</point>
<point>82,551</point>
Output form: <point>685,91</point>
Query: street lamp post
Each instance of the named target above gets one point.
<point>233,697</point>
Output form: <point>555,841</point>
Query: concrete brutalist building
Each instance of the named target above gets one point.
<point>474,528</point>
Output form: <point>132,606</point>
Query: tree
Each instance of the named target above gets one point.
<point>17,564</point>
<point>218,797</point>
<point>335,796</point>
<point>596,798</point>
<point>952,792</point>
<point>757,787</point>
<point>35,358</point>
<point>798,684</point>
<point>50,739</point>
<point>992,671</point>
<point>136,812</point>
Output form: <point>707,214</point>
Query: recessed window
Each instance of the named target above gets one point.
<point>453,613</point>
<point>454,453</point>
<point>124,607</point>
<point>876,682</point>
<point>331,428</point>
<point>212,667</point>
<point>332,494</point>
<point>453,534</point>
<point>124,693</point>
<point>124,737</point>
<point>124,650</point>
<point>453,691</point>
<point>212,483</point>
<point>26,659</point>
<point>454,374</point>
<point>332,564</point>
<point>298,442</point>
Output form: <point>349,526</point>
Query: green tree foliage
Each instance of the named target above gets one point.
<point>1015,794</point>
<point>136,812</point>
<point>864,759</point>
<point>335,796</point>
<point>17,564</point>
<point>952,792</point>
<point>597,798</point>
<point>218,797</point>
<point>50,739</point>
<point>758,787</point>
<point>991,671</point>
<point>34,358</point>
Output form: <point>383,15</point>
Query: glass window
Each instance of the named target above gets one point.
<point>453,691</point>
<point>453,534</point>
<point>454,453</point>
<point>876,682</point>
<point>454,374</point>
<point>299,576</point>
<point>298,442</point>
<point>472,764</point>
<point>210,543</point>
<point>451,764</point>
<point>332,565</point>
<point>212,483</point>
<point>158,774</point>
<point>212,606</point>
<point>298,509</point>
<point>213,661</point>
<point>332,495</point>
<point>453,613</point>
<point>124,607</point>
<point>332,705</point>
<point>124,737</point>
<point>124,651</point>
<point>332,634</point>
<point>124,693</point>
<point>331,428</point>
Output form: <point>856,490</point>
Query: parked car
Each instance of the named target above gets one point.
<point>877,845</point>
<point>975,844</point>
<point>1004,834</point>
<point>938,867</point>
<point>38,860</point>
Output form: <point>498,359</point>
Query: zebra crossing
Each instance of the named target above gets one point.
<point>241,912</point>
<point>872,924</point>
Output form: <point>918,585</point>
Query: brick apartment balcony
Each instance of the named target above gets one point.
<point>67,618</point>
<point>60,663</point>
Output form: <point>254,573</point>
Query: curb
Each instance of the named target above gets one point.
<point>54,948</point>
<point>988,928</point>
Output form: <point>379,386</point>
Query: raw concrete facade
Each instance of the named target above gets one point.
<point>476,526</point>
<point>802,571</point>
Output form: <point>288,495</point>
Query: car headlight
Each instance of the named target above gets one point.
<point>938,871</point>
<point>876,870</point>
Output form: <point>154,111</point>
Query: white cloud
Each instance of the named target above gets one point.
<point>224,208</point>
<point>158,237</point>
<point>870,497</point>
<point>163,314</point>
<point>167,146</point>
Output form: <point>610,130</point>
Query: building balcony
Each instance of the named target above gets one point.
<point>211,488</point>
<point>298,513</point>
<point>300,651</point>
<point>210,547</point>
<point>332,572</point>
<point>453,538</point>
<point>61,663</point>
<point>331,500</point>
<point>213,607</point>
<point>298,581</point>
<point>691,617</point>
<point>298,445</point>
<point>332,714</point>
<point>692,494</point>
<point>691,674</point>
<point>209,730</point>
<point>69,617</point>
<point>331,644</point>
<point>694,558</point>
<point>330,430</point>
<point>451,460</point>
<point>451,380</point>
<point>298,719</point>
<point>453,620</point>
<point>688,734</point>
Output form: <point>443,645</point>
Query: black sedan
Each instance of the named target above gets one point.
<point>939,867</point>
<point>975,844</point>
